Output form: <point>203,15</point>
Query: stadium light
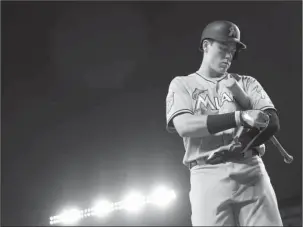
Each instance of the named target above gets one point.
<point>102,208</point>
<point>161,196</point>
<point>133,202</point>
<point>70,216</point>
<point>87,212</point>
<point>54,220</point>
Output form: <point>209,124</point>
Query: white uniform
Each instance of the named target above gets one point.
<point>233,192</point>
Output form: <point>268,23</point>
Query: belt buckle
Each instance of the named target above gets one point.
<point>192,164</point>
<point>199,161</point>
<point>218,158</point>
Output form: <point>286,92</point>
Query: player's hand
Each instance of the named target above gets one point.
<point>237,92</point>
<point>246,137</point>
<point>229,82</point>
<point>254,119</point>
<point>260,149</point>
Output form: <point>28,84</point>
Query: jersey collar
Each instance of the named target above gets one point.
<point>213,80</point>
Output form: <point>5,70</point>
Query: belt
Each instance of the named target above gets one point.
<point>227,156</point>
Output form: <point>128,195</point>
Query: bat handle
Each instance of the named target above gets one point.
<point>230,146</point>
<point>287,157</point>
<point>238,134</point>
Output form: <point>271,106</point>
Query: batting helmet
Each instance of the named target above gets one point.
<point>222,31</point>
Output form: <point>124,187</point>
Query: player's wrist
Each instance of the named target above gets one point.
<point>221,122</point>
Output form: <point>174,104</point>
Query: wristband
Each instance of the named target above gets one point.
<point>221,122</point>
<point>238,118</point>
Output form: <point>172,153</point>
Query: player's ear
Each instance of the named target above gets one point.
<point>205,45</point>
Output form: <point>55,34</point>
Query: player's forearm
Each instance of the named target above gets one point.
<point>188,125</point>
<point>272,128</point>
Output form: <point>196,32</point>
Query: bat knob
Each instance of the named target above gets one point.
<point>261,150</point>
<point>288,159</point>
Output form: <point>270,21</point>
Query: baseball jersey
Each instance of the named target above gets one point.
<point>198,95</point>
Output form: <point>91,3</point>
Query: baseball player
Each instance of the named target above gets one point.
<point>229,185</point>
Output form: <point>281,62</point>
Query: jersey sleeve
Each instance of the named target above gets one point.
<point>259,98</point>
<point>178,101</point>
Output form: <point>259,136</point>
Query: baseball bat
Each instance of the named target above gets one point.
<point>232,145</point>
<point>287,157</point>
<point>238,91</point>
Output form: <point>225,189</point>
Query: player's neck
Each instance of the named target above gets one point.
<point>208,72</point>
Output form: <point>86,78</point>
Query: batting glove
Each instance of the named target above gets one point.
<point>252,119</point>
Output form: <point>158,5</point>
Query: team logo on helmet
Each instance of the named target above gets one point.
<point>232,32</point>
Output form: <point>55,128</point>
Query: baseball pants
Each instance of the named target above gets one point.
<point>233,194</point>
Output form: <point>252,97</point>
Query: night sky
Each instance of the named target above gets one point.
<point>83,97</point>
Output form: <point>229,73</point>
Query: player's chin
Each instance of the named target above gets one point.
<point>222,70</point>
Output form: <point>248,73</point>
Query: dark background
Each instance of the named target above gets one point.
<point>83,98</point>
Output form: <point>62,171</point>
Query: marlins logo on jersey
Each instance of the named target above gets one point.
<point>203,102</point>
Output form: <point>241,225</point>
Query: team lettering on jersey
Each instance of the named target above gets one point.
<point>204,102</point>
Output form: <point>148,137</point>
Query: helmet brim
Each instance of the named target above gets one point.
<point>240,45</point>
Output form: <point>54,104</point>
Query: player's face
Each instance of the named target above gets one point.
<point>220,55</point>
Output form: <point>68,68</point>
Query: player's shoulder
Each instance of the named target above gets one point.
<point>243,77</point>
<point>184,79</point>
